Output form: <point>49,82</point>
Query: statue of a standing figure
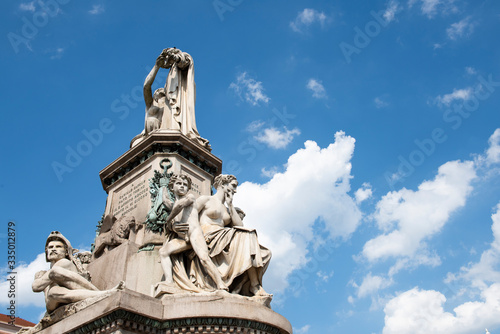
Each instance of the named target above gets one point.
<point>172,107</point>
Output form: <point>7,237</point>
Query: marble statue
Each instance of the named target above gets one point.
<point>172,107</point>
<point>154,102</point>
<point>185,233</point>
<point>84,258</point>
<point>234,249</point>
<point>64,283</point>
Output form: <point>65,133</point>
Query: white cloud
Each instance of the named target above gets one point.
<point>249,89</point>
<point>96,9</point>
<point>429,7</point>
<point>25,276</point>
<point>276,138</point>
<point>350,300</point>
<point>458,94</point>
<point>460,29</point>
<point>57,54</point>
<point>379,103</point>
<point>315,185</point>
<point>371,284</point>
<point>470,70</point>
<point>493,152</point>
<point>302,330</point>
<point>391,10</point>
<point>422,258</point>
<point>421,312</point>
<point>27,6</point>
<point>317,88</point>
<point>410,217</point>
<point>324,277</point>
<point>255,126</point>
<point>269,172</point>
<point>485,271</point>
<point>363,193</point>
<point>432,7</point>
<point>306,18</point>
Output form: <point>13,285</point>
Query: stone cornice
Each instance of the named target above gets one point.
<point>157,143</point>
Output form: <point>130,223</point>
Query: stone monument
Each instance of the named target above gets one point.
<point>170,255</point>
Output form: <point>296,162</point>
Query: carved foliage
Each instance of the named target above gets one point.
<point>158,214</point>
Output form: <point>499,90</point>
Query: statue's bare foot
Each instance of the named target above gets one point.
<point>162,288</point>
<point>259,291</point>
<point>222,286</point>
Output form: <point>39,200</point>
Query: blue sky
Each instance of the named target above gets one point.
<point>364,135</point>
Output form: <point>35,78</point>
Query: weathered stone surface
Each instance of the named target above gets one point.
<point>127,179</point>
<point>172,107</point>
<point>139,270</point>
<point>130,312</point>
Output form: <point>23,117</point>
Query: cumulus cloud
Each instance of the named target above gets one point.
<point>25,275</point>
<point>409,217</point>
<point>275,138</point>
<point>421,311</point>
<point>372,284</point>
<point>96,10</point>
<point>493,151</point>
<point>269,172</point>
<point>457,94</point>
<point>306,18</point>
<point>363,193</point>
<point>486,271</point>
<point>462,28</point>
<point>249,89</point>
<point>391,10</point>
<point>317,88</point>
<point>315,185</point>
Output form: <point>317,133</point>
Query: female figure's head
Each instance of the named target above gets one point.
<point>226,182</point>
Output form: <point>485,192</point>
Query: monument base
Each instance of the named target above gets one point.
<point>127,312</point>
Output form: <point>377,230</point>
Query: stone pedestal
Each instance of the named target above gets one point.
<point>139,270</point>
<point>126,180</point>
<point>127,312</point>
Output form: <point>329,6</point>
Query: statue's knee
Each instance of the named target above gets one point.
<point>55,293</point>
